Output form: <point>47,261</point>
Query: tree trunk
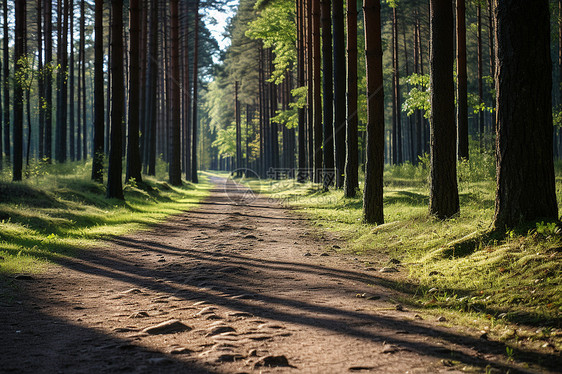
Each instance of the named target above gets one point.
<point>114,175</point>
<point>175,161</point>
<point>6,59</point>
<point>397,156</point>
<point>328,90</point>
<point>133,151</point>
<point>339,90</point>
<point>80,89</point>
<point>462,103</point>
<point>479,76</point>
<point>62,85</point>
<point>352,157</point>
<point>71,114</point>
<point>373,191</point>
<point>238,131</point>
<point>301,83</point>
<point>310,95</point>
<point>525,171</point>
<point>19,53</point>
<point>98,149</point>
<point>443,195</point>
<point>40,85</point>
<point>48,147</point>
<point>194,178</point>
<point>317,91</point>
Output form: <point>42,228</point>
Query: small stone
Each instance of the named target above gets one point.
<point>132,291</point>
<point>441,319</point>
<point>272,361</point>
<point>417,316</point>
<point>307,254</point>
<point>168,327</point>
<point>388,270</point>
<point>335,246</point>
<point>399,308</point>
<point>324,254</point>
<point>139,315</point>
<point>250,236</point>
<point>220,330</point>
<point>239,314</point>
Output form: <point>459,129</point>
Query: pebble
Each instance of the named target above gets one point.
<point>441,319</point>
<point>168,327</point>
<point>388,270</point>
<point>220,330</point>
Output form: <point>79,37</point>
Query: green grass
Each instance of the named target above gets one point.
<point>58,210</point>
<point>458,266</point>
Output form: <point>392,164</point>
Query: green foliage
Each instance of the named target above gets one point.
<point>226,141</point>
<point>419,95</point>
<point>275,25</point>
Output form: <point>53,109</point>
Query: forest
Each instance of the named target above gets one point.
<point>380,176</point>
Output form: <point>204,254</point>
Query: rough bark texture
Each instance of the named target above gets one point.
<point>133,149</point>
<point>175,161</point>
<point>6,83</point>
<point>301,83</point>
<point>328,96</point>
<point>352,159</point>
<point>19,51</point>
<point>397,156</point>
<point>98,153</point>
<point>462,105</point>
<point>443,196</point>
<point>114,182</point>
<point>317,93</point>
<point>339,90</point>
<point>194,121</point>
<point>525,172</point>
<point>373,191</point>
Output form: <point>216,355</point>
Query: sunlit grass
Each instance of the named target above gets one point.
<point>60,210</point>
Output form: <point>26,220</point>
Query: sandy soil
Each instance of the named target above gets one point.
<point>242,286</point>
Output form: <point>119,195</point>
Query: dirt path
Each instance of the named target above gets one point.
<point>244,286</point>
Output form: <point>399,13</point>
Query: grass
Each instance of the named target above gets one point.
<point>457,267</point>
<point>58,210</point>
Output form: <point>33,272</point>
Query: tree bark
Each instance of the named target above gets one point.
<point>525,172</point>
<point>328,94</point>
<point>194,177</point>
<point>6,84</point>
<point>133,151</point>
<point>40,84</point>
<point>19,53</point>
<point>351,182</point>
<point>373,191</point>
<point>462,101</point>
<point>397,156</point>
<point>443,196</point>
<point>301,83</point>
<point>71,79</point>
<point>62,85</point>
<point>114,175</point>
<point>479,76</point>
<point>339,90</point>
<point>98,145</point>
<point>317,91</point>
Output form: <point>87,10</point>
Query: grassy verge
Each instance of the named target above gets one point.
<point>509,285</point>
<point>59,210</point>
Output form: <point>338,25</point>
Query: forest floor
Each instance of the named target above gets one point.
<point>238,285</point>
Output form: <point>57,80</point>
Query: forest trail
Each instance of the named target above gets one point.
<point>248,287</point>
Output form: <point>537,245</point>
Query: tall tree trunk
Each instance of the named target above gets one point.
<point>339,90</point>
<point>317,91</point>
<point>108,93</point>
<point>19,53</point>
<point>80,89</point>
<point>238,131</point>
<point>301,83</point>
<point>411,129</point>
<point>40,84</point>
<point>396,107</point>
<point>6,59</point>
<point>328,88</point>
<point>352,158</point>
<point>492,58</point>
<point>443,196</point>
<point>98,146</point>
<point>115,171</point>
<point>151,97</point>
<point>71,114</point>
<point>194,121</point>
<point>133,152</point>
<point>310,95</point>
<point>479,77</point>
<point>175,157</point>
<point>525,171</point>
<point>462,101</point>
<point>417,112</point>
<point>373,192</point>
<point>187,98</point>
<point>83,47</point>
